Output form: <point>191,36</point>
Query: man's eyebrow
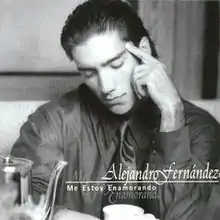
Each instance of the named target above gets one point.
<point>103,64</point>
<point>113,59</point>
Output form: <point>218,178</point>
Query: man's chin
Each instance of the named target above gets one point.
<point>127,110</point>
<point>122,110</point>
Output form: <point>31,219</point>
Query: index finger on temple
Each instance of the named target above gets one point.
<point>144,56</point>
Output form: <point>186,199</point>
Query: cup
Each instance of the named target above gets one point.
<point>122,212</point>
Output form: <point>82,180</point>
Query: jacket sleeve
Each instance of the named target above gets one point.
<point>194,147</point>
<point>40,141</point>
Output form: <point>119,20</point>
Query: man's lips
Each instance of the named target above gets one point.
<point>114,100</point>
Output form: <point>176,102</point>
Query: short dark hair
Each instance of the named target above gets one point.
<point>96,17</point>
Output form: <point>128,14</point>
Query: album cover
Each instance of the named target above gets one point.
<point>109,109</point>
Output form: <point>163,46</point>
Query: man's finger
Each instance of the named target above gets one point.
<point>144,56</point>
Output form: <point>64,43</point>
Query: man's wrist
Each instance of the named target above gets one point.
<point>172,118</point>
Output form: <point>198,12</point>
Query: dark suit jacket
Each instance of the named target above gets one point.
<point>77,128</point>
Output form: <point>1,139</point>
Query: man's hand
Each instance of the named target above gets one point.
<point>150,78</point>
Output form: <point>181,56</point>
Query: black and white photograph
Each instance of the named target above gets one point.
<point>110,110</point>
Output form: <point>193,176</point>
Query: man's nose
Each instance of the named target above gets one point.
<point>106,83</point>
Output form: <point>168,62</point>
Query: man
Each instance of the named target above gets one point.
<point>126,91</point>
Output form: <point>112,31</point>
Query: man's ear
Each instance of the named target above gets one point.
<point>145,45</point>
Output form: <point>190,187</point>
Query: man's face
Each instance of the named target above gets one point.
<point>107,68</point>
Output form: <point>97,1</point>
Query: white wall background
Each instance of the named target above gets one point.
<point>30,34</point>
<point>177,28</point>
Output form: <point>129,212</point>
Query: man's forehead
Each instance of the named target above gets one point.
<point>99,48</point>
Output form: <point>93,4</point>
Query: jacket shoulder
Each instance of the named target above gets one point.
<point>199,116</point>
<point>204,133</point>
<point>64,112</point>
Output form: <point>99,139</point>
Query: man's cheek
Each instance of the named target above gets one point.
<point>127,72</point>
